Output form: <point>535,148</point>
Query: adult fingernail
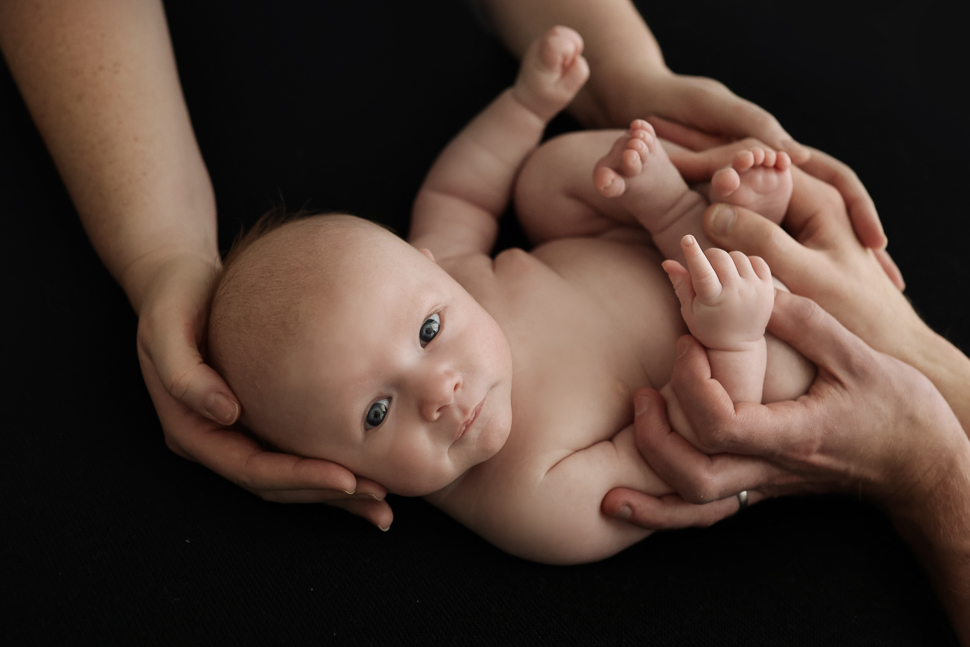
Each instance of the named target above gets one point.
<point>384,528</point>
<point>624,512</point>
<point>221,409</point>
<point>640,404</point>
<point>722,219</point>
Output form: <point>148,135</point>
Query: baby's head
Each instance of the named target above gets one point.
<point>343,342</point>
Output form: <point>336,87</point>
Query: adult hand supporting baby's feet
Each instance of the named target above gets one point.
<point>195,405</point>
<point>817,256</point>
<point>861,209</point>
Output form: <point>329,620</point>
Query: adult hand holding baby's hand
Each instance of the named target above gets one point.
<point>869,424</point>
<point>195,405</point>
<point>820,258</point>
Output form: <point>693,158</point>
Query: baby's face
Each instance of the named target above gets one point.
<point>397,373</point>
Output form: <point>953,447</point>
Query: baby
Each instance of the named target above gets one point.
<point>500,389</point>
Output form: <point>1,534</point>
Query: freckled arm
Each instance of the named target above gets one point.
<point>100,81</point>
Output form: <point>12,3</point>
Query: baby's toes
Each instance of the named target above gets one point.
<point>646,138</point>
<point>608,182</point>
<point>723,183</point>
<point>642,124</point>
<point>632,160</point>
<point>743,161</point>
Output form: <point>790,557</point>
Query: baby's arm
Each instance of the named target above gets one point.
<point>726,300</point>
<point>470,184</point>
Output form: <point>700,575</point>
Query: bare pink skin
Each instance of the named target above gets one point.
<point>639,175</point>
<point>757,179</point>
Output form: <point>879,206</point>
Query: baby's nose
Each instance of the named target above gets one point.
<point>438,391</point>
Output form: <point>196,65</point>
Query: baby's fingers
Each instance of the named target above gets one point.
<point>680,278</point>
<point>706,284</point>
<point>743,265</point>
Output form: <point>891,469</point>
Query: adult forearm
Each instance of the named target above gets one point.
<point>100,81</point>
<point>946,367</point>
<point>937,526</point>
<point>620,48</point>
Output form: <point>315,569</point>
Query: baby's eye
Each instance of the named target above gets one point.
<point>429,329</point>
<point>376,413</point>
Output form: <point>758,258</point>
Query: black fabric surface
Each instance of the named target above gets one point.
<point>110,538</point>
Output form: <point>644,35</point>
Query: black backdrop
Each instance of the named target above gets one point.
<point>109,537</point>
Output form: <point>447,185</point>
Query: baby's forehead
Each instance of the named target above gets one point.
<point>332,239</point>
<point>336,262</point>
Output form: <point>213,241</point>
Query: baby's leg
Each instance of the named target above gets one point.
<point>556,197</point>
<point>554,194</point>
<point>758,179</point>
<point>639,178</point>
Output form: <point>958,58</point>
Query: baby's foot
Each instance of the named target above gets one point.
<point>553,70</point>
<point>757,179</point>
<point>638,173</point>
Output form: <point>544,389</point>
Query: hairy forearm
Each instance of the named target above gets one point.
<point>100,81</point>
<point>937,526</point>
<point>620,49</point>
<point>946,367</point>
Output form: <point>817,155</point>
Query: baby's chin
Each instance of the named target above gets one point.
<point>422,487</point>
<point>429,484</point>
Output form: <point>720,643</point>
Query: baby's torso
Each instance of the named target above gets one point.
<point>589,321</point>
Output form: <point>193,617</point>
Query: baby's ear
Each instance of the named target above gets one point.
<point>426,252</point>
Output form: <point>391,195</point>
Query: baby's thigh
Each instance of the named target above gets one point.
<point>554,192</point>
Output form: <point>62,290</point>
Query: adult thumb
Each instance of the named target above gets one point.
<point>739,229</point>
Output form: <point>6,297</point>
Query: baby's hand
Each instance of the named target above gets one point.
<point>553,70</point>
<point>726,299</point>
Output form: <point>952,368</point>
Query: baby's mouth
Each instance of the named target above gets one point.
<point>472,417</point>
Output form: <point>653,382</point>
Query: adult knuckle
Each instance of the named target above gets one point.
<point>807,313</point>
<point>711,439</point>
<point>247,482</point>
<point>804,448</point>
<point>829,197</point>
<point>178,383</point>
<point>772,243</point>
<point>701,488</point>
